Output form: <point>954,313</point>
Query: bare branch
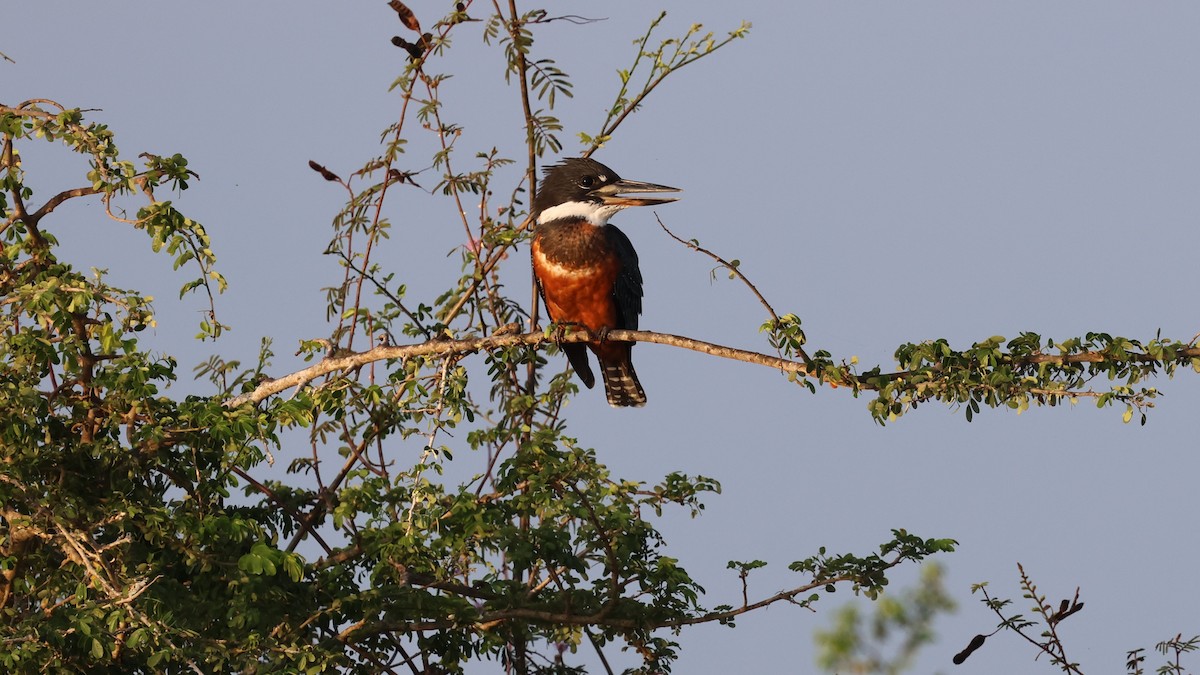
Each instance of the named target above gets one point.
<point>57,200</point>
<point>472,345</point>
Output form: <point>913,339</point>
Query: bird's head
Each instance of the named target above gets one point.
<point>583,188</point>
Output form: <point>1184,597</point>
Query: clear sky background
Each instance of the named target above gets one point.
<point>890,172</point>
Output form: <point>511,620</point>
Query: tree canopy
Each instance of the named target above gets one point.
<point>415,499</point>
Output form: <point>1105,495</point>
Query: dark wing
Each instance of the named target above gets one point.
<point>628,289</point>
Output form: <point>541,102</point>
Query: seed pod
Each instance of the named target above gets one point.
<point>976,643</point>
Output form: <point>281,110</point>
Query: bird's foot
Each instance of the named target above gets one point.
<point>557,331</point>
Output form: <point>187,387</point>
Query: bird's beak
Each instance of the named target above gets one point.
<point>613,193</point>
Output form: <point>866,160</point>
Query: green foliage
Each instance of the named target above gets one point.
<point>434,510</point>
<point>142,532</point>
<point>1016,374</point>
<point>889,640</point>
<point>113,179</point>
<point>1028,372</point>
<point>652,65</point>
<point>1174,648</point>
<point>867,575</point>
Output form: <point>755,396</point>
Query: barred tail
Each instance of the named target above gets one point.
<point>621,383</point>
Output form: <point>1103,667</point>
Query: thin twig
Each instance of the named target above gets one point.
<point>736,271</point>
<point>733,269</point>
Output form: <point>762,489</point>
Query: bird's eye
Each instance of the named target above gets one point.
<point>587,181</point>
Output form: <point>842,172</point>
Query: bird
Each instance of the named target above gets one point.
<point>587,270</point>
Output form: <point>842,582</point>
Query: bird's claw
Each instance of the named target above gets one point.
<point>557,331</point>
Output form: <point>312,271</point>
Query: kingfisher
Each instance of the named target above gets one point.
<point>587,271</point>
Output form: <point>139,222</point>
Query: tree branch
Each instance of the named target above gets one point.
<point>601,618</point>
<point>437,348</point>
<point>55,201</point>
<point>472,345</point>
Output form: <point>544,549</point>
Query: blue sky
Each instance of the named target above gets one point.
<point>890,172</point>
